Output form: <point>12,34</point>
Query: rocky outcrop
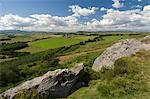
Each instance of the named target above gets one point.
<point>58,83</point>
<point>123,48</point>
<point>61,84</point>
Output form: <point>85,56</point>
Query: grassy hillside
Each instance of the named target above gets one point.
<point>92,47</point>
<point>36,64</point>
<point>25,37</point>
<point>117,84</point>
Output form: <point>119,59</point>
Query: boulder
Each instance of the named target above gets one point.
<point>58,83</point>
<point>123,48</point>
<point>61,84</point>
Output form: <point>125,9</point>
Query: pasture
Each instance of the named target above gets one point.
<point>54,42</point>
<point>25,37</point>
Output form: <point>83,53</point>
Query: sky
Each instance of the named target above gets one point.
<point>75,15</point>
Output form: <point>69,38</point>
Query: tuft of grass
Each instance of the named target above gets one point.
<point>31,94</point>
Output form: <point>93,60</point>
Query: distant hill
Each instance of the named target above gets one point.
<point>13,31</point>
<point>20,31</point>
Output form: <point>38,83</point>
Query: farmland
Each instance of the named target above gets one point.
<point>24,37</point>
<point>52,52</point>
<point>54,42</point>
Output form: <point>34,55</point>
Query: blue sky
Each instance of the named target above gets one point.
<point>57,7</point>
<point>53,7</point>
<point>12,10</point>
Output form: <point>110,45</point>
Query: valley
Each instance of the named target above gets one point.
<point>34,57</point>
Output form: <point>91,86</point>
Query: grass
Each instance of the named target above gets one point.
<point>54,42</point>
<point>102,44</point>
<point>19,38</point>
<point>26,37</point>
<point>132,84</point>
<point>87,54</point>
<point>3,37</point>
<point>91,47</point>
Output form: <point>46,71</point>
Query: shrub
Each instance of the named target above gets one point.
<point>125,65</point>
<point>31,65</point>
<point>120,67</point>
<point>106,73</point>
<point>13,46</point>
<point>120,86</point>
<point>31,94</point>
<point>3,57</point>
<point>105,89</point>
<point>82,43</point>
<point>88,75</point>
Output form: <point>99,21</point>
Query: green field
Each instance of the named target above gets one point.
<point>27,37</point>
<point>102,44</point>
<point>54,42</point>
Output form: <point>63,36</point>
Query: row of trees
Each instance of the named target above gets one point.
<point>9,49</point>
<point>13,46</point>
<point>108,34</point>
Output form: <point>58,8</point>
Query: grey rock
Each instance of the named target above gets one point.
<point>61,84</point>
<point>123,48</point>
<point>58,83</point>
<point>147,37</point>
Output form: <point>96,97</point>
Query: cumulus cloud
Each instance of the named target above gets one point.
<point>48,20</point>
<point>133,20</point>
<point>36,22</point>
<point>125,20</point>
<point>78,11</point>
<point>15,21</point>
<point>117,4</point>
<point>137,6</point>
<point>146,8</point>
<point>103,9</point>
<point>139,0</point>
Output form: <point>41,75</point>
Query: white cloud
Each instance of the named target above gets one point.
<point>146,8</point>
<point>48,20</point>
<point>117,4</point>
<point>103,9</point>
<point>139,0</point>
<point>135,20</point>
<point>78,11</point>
<point>138,6</point>
<point>15,21</point>
<point>37,22</point>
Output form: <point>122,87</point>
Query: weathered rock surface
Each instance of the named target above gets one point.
<point>147,37</point>
<point>123,48</point>
<point>61,84</point>
<point>58,83</point>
